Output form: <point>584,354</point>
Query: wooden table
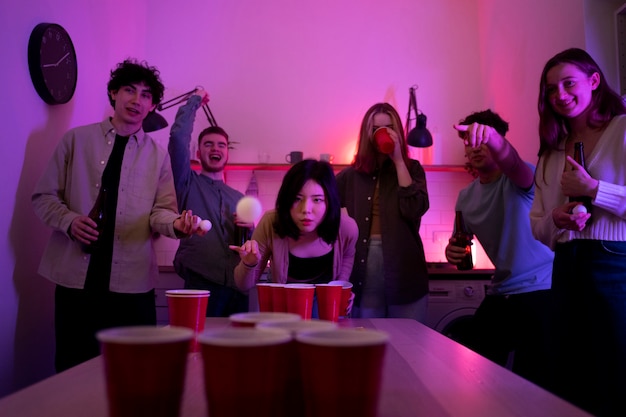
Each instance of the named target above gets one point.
<point>425,374</point>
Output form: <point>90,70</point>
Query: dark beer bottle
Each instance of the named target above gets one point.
<point>463,239</point>
<point>98,215</point>
<point>579,157</point>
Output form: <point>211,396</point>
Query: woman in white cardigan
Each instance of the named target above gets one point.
<point>589,276</point>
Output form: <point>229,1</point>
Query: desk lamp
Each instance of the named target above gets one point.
<point>419,136</point>
<point>154,121</point>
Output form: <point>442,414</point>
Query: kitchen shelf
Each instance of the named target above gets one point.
<point>337,167</point>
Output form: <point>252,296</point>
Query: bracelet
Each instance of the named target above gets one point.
<point>249,266</point>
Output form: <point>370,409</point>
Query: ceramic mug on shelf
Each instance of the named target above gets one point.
<point>294,157</point>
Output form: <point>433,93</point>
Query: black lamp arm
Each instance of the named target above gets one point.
<point>412,106</point>
<point>183,97</point>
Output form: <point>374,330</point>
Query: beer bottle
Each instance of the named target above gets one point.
<point>463,239</point>
<point>98,215</point>
<point>579,157</point>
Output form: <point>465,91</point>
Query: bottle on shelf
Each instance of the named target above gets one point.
<point>98,215</point>
<point>253,186</point>
<point>463,239</point>
<point>579,157</point>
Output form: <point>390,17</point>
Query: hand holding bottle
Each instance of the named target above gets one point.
<point>577,182</point>
<point>84,230</point>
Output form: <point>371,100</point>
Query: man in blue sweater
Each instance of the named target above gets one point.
<point>206,262</point>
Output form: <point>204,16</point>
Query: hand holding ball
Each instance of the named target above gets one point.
<point>205,225</point>
<point>249,210</point>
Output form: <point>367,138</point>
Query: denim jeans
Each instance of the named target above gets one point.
<point>589,344</point>
<point>373,301</point>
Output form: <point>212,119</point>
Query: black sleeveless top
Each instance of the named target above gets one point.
<point>318,270</point>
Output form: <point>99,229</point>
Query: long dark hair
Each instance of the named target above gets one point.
<point>605,102</point>
<point>365,159</point>
<point>322,173</point>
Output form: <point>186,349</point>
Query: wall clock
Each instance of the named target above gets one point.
<point>52,63</point>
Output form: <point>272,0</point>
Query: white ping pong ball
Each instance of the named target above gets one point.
<point>206,225</point>
<point>579,209</point>
<point>249,209</point>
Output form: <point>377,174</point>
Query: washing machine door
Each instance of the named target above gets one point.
<point>457,324</point>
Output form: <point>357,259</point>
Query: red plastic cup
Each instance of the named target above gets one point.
<point>328,301</point>
<point>245,371</point>
<point>346,293</point>
<point>254,318</point>
<point>187,308</point>
<point>295,395</point>
<point>383,140</point>
<point>144,367</point>
<point>279,298</point>
<point>264,294</point>
<point>341,371</point>
<point>300,299</point>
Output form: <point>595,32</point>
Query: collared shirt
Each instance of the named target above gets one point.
<point>146,205</point>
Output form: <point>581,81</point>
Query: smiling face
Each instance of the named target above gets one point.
<point>213,152</point>
<point>569,90</point>
<point>309,208</point>
<point>132,104</point>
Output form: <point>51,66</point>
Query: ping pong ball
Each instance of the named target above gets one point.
<point>205,225</point>
<point>579,209</point>
<point>249,209</point>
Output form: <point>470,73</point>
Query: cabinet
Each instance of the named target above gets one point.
<point>168,280</point>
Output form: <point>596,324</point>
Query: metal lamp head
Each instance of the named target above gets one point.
<point>420,137</point>
<point>154,121</point>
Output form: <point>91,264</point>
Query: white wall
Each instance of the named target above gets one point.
<point>280,76</point>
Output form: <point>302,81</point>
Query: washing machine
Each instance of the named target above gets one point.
<point>453,299</point>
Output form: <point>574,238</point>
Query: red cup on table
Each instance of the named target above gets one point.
<point>295,395</point>
<point>328,301</point>
<point>264,295</point>
<point>279,298</point>
<point>245,371</point>
<point>341,371</point>
<point>144,367</point>
<point>254,318</point>
<point>383,140</point>
<point>300,299</point>
<point>346,293</point>
<point>187,308</point>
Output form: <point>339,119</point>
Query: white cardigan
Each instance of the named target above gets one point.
<point>607,164</point>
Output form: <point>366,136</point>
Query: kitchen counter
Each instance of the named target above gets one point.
<point>446,271</point>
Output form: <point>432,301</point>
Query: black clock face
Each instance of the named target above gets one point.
<point>52,62</point>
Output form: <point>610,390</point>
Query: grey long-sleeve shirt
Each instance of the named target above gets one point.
<point>208,255</point>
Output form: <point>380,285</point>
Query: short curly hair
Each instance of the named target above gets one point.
<point>132,71</point>
<point>488,118</point>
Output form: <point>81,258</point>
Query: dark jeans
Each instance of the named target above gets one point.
<point>518,324</point>
<point>589,355</point>
<point>223,300</point>
<point>80,314</point>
